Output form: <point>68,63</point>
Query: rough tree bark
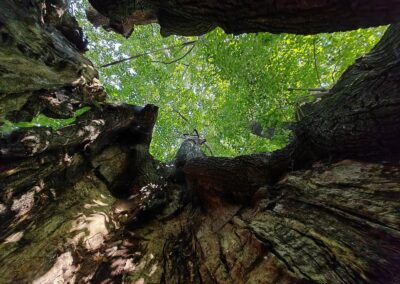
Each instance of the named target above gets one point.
<point>196,17</point>
<point>88,203</point>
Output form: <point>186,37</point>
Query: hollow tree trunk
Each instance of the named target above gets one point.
<point>196,17</point>
<point>40,60</point>
<point>88,203</point>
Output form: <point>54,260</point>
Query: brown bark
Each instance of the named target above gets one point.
<point>358,119</point>
<point>91,131</point>
<point>88,203</point>
<point>300,17</point>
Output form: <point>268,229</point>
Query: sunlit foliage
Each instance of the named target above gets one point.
<point>222,83</point>
<point>41,120</point>
<point>225,82</point>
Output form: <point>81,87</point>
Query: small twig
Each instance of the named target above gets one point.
<point>196,132</point>
<point>315,62</point>
<point>308,89</point>
<point>181,115</point>
<point>147,53</point>
<point>299,113</point>
<point>177,59</point>
<point>334,72</point>
<point>209,148</point>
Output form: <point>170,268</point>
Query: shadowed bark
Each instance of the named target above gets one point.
<point>199,17</point>
<point>34,54</point>
<point>88,203</point>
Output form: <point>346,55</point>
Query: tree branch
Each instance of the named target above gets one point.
<point>308,89</point>
<point>315,61</point>
<point>147,53</point>
<point>177,59</point>
<point>181,115</point>
<point>89,131</point>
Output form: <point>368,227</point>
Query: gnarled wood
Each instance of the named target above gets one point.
<point>196,17</point>
<point>88,203</point>
<point>358,119</point>
<point>104,125</point>
<point>34,54</point>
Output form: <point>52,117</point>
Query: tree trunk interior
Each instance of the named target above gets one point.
<point>88,203</point>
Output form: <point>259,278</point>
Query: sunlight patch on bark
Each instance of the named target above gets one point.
<point>63,271</point>
<point>92,230</point>
<point>14,238</point>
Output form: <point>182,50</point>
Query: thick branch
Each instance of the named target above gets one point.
<point>300,17</point>
<point>91,130</point>
<point>361,114</point>
<point>359,118</point>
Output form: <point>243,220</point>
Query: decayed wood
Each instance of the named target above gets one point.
<point>335,224</point>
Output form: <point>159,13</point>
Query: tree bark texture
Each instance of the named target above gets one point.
<point>196,17</point>
<point>35,55</point>
<point>87,203</point>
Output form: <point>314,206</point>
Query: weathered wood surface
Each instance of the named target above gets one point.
<point>35,55</point>
<point>88,203</point>
<point>331,224</point>
<point>194,17</point>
